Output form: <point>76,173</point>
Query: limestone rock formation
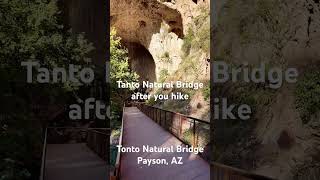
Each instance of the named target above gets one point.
<point>288,36</point>
<point>158,26</point>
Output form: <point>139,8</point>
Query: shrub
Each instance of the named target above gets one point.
<point>166,57</point>
<point>151,101</point>
<point>163,75</point>
<point>206,91</point>
<point>187,136</point>
<point>187,41</point>
<point>308,95</point>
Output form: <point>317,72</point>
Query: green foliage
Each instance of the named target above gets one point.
<point>20,148</point>
<point>206,91</point>
<point>119,71</point>
<point>163,75</point>
<point>182,105</point>
<point>308,95</point>
<point>166,57</point>
<point>229,133</point>
<point>119,61</point>
<point>202,133</point>
<point>12,170</point>
<point>187,136</point>
<point>190,66</point>
<point>151,101</point>
<point>203,40</point>
<point>198,38</point>
<point>202,35</point>
<point>187,41</point>
<point>31,31</point>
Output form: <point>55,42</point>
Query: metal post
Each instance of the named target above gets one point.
<point>165,119</point>
<point>160,117</point>
<point>180,129</point>
<point>194,133</point>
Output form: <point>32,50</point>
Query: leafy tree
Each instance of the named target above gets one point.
<point>119,71</point>
<point>31,30</point>
<point>119,61</point>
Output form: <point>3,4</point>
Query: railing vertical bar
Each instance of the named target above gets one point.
<point>165,119</point>
<point>221,172</point>
<point>176,119</point>
<point>161,118</point>
<point>118,160</point>
<point>180,126</point>
<point>194,133</point>
<point>44,153</point>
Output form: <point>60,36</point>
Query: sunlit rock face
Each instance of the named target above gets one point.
<point>165,47</point>
<point>157,25</point>
<point>153,25</point>
<point>137,20</point>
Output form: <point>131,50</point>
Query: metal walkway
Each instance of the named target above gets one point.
<point>140,130</point>
<point>75,153</point>
<point>74,161</point>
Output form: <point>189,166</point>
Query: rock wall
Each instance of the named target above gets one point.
<point>294,39</point>
<point>289,37</point>
<point>159,26</point>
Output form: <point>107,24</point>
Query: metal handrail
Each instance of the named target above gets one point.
<point>44,153</point>
<point>70,127</point>
<point>186,116</point>
<point>100,149</point>
<point>117,172</point>
<point>221,172</point>
<point>194,123</point>
<point>98,141</point>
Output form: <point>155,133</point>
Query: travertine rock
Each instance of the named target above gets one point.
<point>159,26</point>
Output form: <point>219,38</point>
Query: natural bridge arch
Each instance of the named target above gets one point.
<point>151,27</point>
<point>138,20</point>
<point>141,61</point>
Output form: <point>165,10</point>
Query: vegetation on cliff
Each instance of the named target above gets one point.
<point>195,52</point>
<point>308,95</point>
<point>279,34</point>
<point>119,71</point>
<point>31,31</point>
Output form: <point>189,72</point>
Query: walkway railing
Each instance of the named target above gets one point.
<point>194,132</point>
<point>223,172</point>
<point>97,139</point>
<point>117,172</point>
<point>190,130</point>
<point>44,153</point>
